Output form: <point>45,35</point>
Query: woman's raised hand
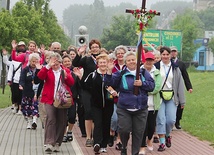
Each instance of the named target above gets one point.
<point>14,44</point>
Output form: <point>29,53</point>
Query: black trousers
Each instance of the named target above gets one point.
<point>150,127</point>
<point>72,113</point>
<point>179,114</point>
<point>81,116</point>
<point>102,123</point>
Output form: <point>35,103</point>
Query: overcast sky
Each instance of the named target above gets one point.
<point>59,5</point>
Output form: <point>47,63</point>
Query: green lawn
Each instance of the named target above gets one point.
<point>5,100</point>
<point>199,110</point>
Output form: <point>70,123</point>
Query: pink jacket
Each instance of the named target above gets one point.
<point>23,58</point>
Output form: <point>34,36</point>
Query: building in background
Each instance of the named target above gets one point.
<point>202,4</point>
<point>203,55</point>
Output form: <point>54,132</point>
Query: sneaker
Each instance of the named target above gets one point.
<point>118,146</point>
<point>92,142</point>
<point>155,140</point>
<point>103,150</point>
<point>14,110</point>
<point>168,141</point>
<point>64,139</point>
<point>56,148</point>
<point>29,125</point>
<point>123,151</point>
<point>48,148</point>
<point>111,141</point>
<point>19,112</point>
<point>161,147</point>
<point>69,136</point>
<point>88,143</point>
<point>96,148</point>
<point>34,125</point>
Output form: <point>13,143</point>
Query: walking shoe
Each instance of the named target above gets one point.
<point>88,143</point>
<point>29,125</point>
<point>155,140</point>
<point>96,148</point>
<point>111,141</point>
<point>168,141</point>
<point>64,139</point>
<point>92,142</point>
<point>48,148</point>
<point>56,148</point>
<point>118,146</point>
<point>34,125</point>
<point>177,125</point>
<point>14,110</point>
<point>161,147</point>
<point>123,152</point>
<point>103,150</point>
<point>19,112</point>
<point>69,136</point>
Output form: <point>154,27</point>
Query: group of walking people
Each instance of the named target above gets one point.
<point>103,88</point>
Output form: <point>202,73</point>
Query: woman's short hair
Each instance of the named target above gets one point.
<point>102,56</point>
<point>164,48</point>
<point>57,56</point>
<point>94,41</point>
<point>129,53</point>
<point>34,55</point>
<point>124,48</point>
<point>32,42</point>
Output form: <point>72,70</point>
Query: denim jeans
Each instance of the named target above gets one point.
<point>114,119</point>
<point>166,117</point>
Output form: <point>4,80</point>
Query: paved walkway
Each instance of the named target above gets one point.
<point>15,139</point>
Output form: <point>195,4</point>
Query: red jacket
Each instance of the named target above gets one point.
<point>49,84</point>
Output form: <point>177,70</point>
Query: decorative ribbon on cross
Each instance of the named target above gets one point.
<point>143,19</point>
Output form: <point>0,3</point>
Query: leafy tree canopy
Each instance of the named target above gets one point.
<point>31,20</point>
<point>192,28</point>
<point>207,17</point>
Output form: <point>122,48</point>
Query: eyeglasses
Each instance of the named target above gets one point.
<point>120,53</point>
<point>94,47</point>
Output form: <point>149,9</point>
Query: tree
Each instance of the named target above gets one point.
<point>95,20</point>
<point>88,15</point>
<point>191,27</point>
<point>178,6</point>
<point>120,32</point>
<point>8,29</point>
<point>211,44</point>
<point>29,23</point>
<point>207,18</point>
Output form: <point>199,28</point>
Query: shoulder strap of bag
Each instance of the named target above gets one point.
<point>62,79</point>
<point>166,76</point>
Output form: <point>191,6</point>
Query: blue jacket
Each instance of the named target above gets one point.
<point>125,84</point>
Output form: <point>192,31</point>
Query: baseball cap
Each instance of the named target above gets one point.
<point>21,43</point>
<point>149,55</point>
<point>173,48</point>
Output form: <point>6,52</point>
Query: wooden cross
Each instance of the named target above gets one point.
<point>139,48</point>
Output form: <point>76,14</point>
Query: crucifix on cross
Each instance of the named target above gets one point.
<point>143,18</point>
